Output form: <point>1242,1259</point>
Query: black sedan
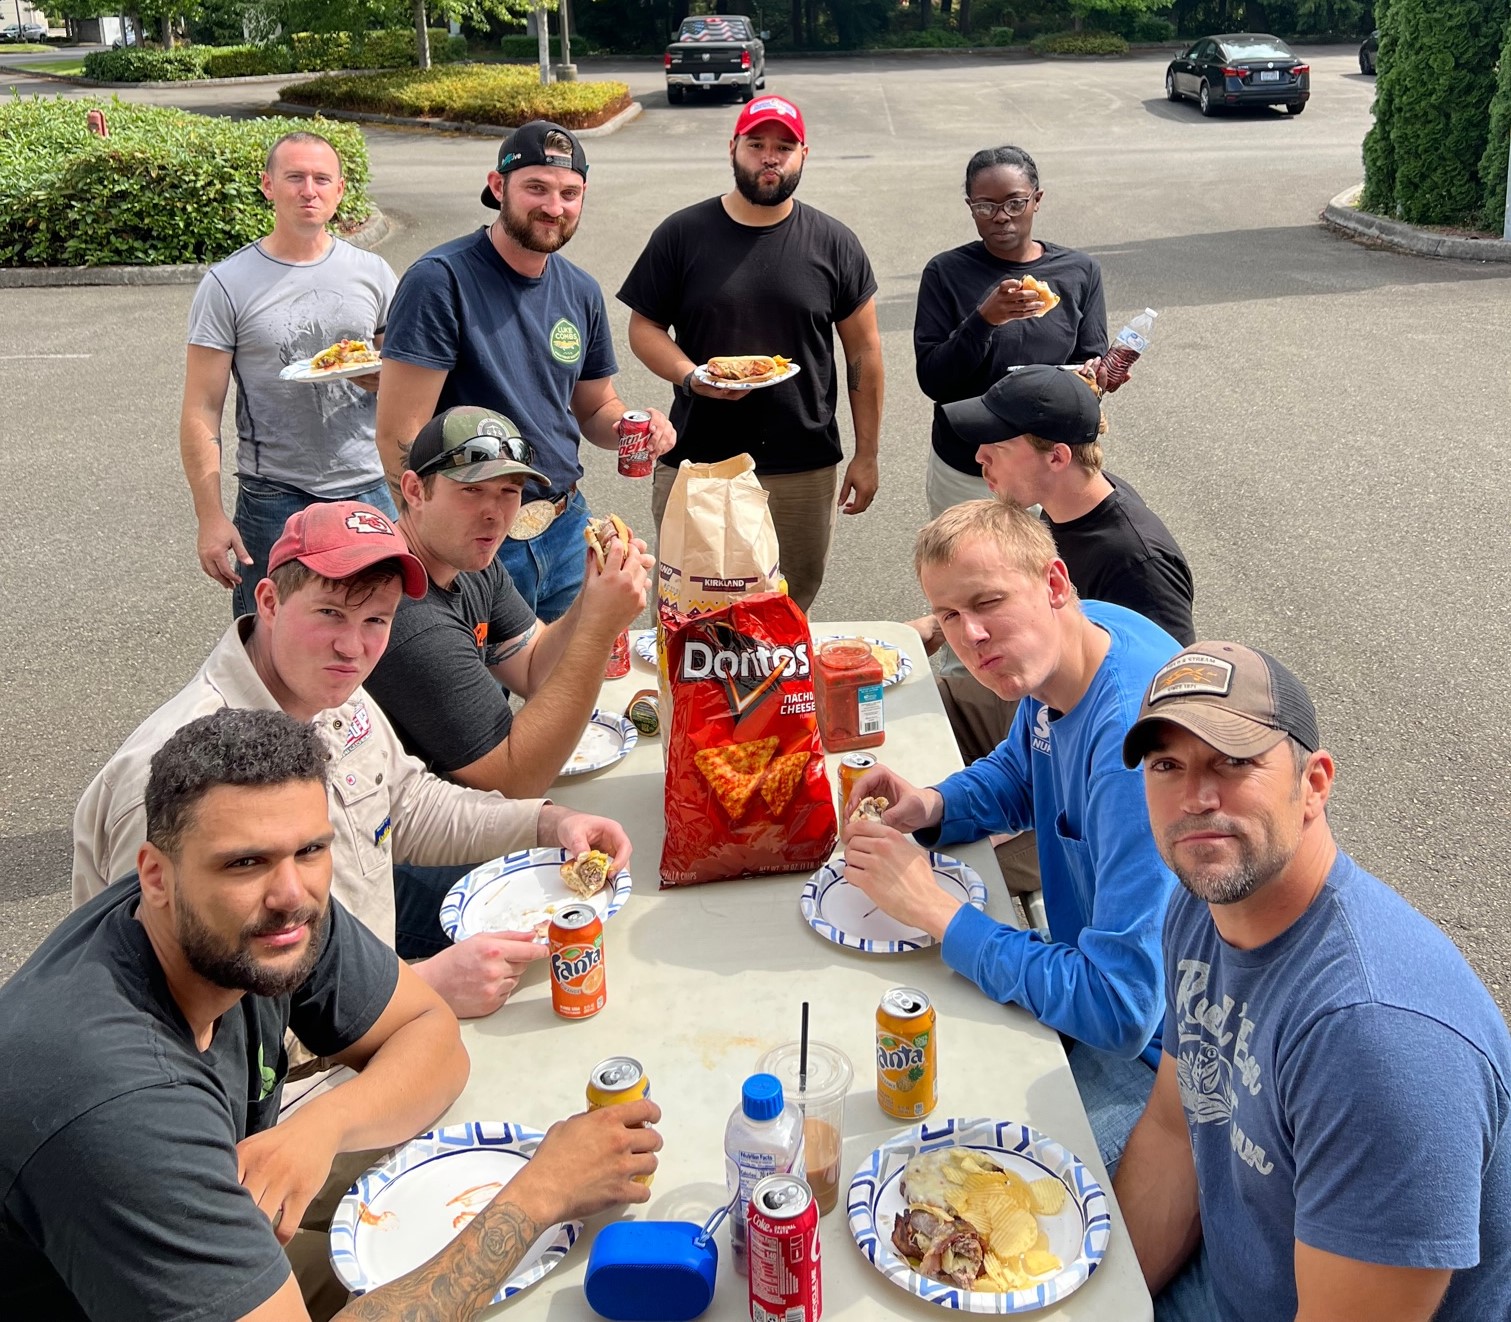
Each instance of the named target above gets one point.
<point>1239,69</point>
<point>1369,53</point>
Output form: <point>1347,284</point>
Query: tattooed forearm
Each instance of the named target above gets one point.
<point>459,1282</point>
<point>852,375</point>
<point>512,648</point>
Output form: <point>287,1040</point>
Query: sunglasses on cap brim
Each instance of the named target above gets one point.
<point>480,450</point>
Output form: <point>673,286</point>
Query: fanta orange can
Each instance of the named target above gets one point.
<point>576,944</point>
<point>907,1055</point>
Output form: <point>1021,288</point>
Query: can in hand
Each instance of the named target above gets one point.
<point>635,456</point>
<point>575,940</point>
<point>615,1081</point>
<point>907,1055</point>
<point>786,1276</point>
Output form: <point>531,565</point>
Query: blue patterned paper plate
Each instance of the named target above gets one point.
<point>844,914</point>
<point>1078,1235</point>
<point>405,1211</point>
<point>519,892</point>
<point>607,738</point>
<point>644,646</point>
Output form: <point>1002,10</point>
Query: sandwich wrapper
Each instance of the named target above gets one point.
<point>653,1271</point>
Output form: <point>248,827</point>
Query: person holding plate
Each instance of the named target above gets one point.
<point>142,1174</point>
<point>273,303</point>
<point>1331,1119</point>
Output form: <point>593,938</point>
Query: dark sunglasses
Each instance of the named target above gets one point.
<point>480,449</point>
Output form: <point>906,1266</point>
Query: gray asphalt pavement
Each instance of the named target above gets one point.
<point>1318,423</point>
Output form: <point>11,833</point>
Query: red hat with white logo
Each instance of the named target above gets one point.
<point>340,538</point>
<point>771,110</point>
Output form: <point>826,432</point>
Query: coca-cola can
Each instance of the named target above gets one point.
<point>786,1277</point>
<point>636,458</point>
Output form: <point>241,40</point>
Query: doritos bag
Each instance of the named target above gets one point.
<point>746,790</point>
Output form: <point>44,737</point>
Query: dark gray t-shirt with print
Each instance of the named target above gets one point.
<point>118,1190</point>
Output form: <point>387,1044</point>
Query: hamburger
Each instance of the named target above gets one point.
<point>747,369</point>
<point>1047,296</point>
<point>600,533</point>
<point>870,809</point>
<point>586,874</point>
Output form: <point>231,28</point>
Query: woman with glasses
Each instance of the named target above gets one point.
<point>975,320</point>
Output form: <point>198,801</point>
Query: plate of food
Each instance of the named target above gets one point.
<point>520,892</point>
<point>606,740</point>
<point>847,916</point>
<point>751,371</point>
<point>895,665</point>
<point>345,358</point>
<point>981,1215</point>
<point>408,1209</point>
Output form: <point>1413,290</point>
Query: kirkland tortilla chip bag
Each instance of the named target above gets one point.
<point>746,789</point>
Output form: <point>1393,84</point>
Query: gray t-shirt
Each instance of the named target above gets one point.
<point>316,438</point>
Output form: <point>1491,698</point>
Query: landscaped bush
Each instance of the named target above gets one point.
<point>306,52</point>
<point>934,38</point>
<point>499,94</point>
<point>248,61</point>
<point>1493,162</point>
<point>516,46</point>
<point>165,186</point>
<point>1080,43</point>
<point>999,37</point>
<point>135,64</point>
<point>1153,30</point>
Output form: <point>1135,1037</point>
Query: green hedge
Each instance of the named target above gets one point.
<point>248,61</point>
<point>1493,162</point>
<point>165,186</point>
<point>306,52</point>
<point>137,64</point>
<point>499,94</point>
<point>934,38</point>
<point>1080,43</point>
<point>517,46</point>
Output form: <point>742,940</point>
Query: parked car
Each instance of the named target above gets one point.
<point>23,32</point>
<point>713,51</point>
<point>1239,69</point>
<point>1369,53</point>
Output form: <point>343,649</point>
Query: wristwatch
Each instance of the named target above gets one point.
<point>686,388</point>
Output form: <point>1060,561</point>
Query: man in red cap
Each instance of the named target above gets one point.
<point>322,621</point>
<point>756,272</point>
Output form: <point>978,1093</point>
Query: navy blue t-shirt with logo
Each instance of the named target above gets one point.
<point>509,343</point>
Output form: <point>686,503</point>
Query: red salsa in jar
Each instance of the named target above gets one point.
<point>847,685</point>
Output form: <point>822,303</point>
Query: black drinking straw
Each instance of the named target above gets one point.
<point>802,1059</point>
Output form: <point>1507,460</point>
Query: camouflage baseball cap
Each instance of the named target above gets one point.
<point>470,444</point>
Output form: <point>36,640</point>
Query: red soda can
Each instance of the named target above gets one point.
<point>575,938</point>
<point>619,659</point>
<point>635,457</point>
<point>786,1280</point>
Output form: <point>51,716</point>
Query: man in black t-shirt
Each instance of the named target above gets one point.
<point>756,272</point>
<point>142,1177</point>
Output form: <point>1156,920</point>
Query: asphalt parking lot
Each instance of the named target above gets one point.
<point>1320,424</point>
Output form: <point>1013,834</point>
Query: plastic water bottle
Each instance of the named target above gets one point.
<point>1126,350</point>
<point>764,1137</point>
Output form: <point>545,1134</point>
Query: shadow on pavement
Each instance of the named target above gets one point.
<point>37,864</point>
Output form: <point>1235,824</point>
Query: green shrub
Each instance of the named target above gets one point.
<point>1079,43</point>
<point>1424,156</point>
<point>320,51</point>
<point>517,47</point>
<point>247,61</point>
<point>166,186</point>
<point>1153,30</point>
<point>135,64</point>
<point>499,94</point>
<point>999,37</point>
<point>934,38</point>
<point>1498,146</point>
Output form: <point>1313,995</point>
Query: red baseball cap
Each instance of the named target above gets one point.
<point>340,538</point>
<point>771,109</point>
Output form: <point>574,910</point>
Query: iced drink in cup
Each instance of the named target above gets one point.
<point>823,1106</point>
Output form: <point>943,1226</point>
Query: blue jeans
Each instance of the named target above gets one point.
<point>547,569</point>
<point>1114,1093</point>
<point>262,508</point>
<point>418,893</point>
<point>1188,1298</point>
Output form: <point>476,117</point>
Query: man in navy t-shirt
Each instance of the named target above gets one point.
<point>1330,1113</point>
<point>499,319</point>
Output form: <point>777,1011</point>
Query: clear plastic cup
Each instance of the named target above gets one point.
<point>823,1106</point>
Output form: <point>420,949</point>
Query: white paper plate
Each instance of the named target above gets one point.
<point>407,1210</point>
<point>844,914</point>
<point>904,664</point>
<point>607,739</point>
<point>786,374</point>
<point>302,371</point>
<point>1078,1235</point>
<point>644,646</point>
<point>518,892</point>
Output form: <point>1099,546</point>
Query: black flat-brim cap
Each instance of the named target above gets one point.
<point>1038,401</point>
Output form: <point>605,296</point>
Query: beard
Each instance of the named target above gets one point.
<point>1227,883</point>
<point>766,195</point>
<point>232,965</point>
<point>520,226</point>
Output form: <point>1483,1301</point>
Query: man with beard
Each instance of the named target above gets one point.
<point>1330,1112</point>
<point>757,272</point>
<point>1077,671</point>
<point>141,1174</point>
<point>275,302</point>
<point>499,319</point>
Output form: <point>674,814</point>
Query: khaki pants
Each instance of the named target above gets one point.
<point>802,511</point>
<point>980,720</point>
<point>309,1252</point>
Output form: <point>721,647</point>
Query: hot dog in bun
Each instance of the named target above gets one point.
<point>746,369</point>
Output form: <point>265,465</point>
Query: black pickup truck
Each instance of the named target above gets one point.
<point>715,51</point>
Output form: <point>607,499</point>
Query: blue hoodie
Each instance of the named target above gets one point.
<point>1099,979</point>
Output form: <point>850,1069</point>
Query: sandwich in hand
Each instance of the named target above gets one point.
<point>587,873</point>
<point>870,809</point>
<point>345,353</point>
<point>747,369</point>
<point>1047,295</point>
<point>601,532</point>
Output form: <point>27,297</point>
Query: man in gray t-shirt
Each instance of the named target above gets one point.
<point>272,303</point>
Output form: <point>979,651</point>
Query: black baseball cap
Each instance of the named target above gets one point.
<point>1038,401</point>
<point>527,146</point>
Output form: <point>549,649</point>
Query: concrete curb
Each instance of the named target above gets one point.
<point>1342,216</point>
<point>369,235</point>
<point>631,112</point>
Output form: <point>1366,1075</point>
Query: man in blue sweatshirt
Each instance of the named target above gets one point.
<point>1079,672</point>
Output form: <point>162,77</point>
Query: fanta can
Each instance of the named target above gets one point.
<point>576,944</point>
<point>907,1055</point>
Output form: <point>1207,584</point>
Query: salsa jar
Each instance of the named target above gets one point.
<point>847,686</point>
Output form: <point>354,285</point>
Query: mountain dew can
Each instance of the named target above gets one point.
<point>907,1055</point>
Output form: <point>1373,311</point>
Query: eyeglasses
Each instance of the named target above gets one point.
<point>1013,207</point>
<point>480,449</point>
